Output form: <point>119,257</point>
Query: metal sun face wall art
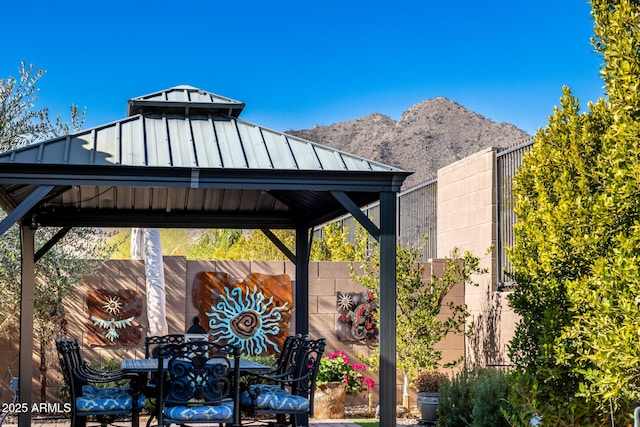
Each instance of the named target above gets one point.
<point>254,314</point>
<point>246,318</point>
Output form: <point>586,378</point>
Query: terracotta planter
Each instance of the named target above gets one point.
<point>329,400</point>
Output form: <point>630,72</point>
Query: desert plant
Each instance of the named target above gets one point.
<point>474,397</point>
<point>490,399</point>
<point>455,402</point>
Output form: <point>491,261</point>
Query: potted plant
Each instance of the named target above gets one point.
<point>337,378</point>
<point>427,383</point>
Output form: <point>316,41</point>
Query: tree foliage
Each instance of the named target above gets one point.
<point>419,326</point>
<point>66,264</point>
<point>21,123</point>
<point>577,244</point>
<point>234,244</point>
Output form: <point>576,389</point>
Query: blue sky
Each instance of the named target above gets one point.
<point>298,64</point>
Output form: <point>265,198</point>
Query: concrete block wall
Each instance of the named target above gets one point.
<point>325,279</point>
<point>466,219</point>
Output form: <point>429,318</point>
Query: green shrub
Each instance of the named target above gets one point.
<point>109,364</point>
<point>490,399</point>
<point>455,403</point>
<point>268,360</point>
<point>473,398</point>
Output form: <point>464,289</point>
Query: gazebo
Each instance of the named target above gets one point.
<point>183,159</point>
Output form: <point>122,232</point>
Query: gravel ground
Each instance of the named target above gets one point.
<point>362,411</point>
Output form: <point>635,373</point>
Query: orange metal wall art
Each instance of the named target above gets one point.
<point>253,314</point>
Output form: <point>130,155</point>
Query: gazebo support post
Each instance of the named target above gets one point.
<point>27,290</point>
<point>303,249</point>
<point>302,279</point>
<point>387,393</point>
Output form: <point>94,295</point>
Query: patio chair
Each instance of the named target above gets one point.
<point>172,347</point>
<point>285,365</point>
<point>288,353</point>
<point>90,393</point>
<point>151,343</point>
<point>292,400</point>
<point>72,346</point>
<point>200,383</point>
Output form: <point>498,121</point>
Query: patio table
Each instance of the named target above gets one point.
<point>141,366</point>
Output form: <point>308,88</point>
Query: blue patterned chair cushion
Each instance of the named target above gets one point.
<point>90,390</point>
<point>106,400</point>
<point>223,412</point>
<point>278,400</point>
<point>268,388</point>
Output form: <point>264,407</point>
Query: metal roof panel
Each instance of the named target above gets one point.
<point>279,150</point>
<point>185,99</point>
<point>256,152</point>
<point>205,142</point>
<point>230,145</point>
<point>208,167</point>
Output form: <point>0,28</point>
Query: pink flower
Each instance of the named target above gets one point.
<point>345,378</point>
<point>341,353</point>
<point>369,383</point>
<point>345,359</point>
<point>332,356</point>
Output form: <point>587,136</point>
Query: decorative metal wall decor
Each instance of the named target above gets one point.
<point>358,316</point>
<point>112,317</point>
<point>254,314</point>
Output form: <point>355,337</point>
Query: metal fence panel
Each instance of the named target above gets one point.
<point>507,163</point>
<point>417,209</point>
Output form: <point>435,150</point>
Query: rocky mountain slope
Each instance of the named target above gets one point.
<point>428,136</point>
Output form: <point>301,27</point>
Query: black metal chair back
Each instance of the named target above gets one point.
<point>200,383</point>
<point>152,342</point>
<point>290,351</point>
<point>307,366</point>
<point>90,395</point>
<point>292,399</point>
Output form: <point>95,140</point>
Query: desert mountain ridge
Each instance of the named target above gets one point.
<point>428,136</point>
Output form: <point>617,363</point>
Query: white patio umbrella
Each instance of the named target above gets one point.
<point>145,242</point>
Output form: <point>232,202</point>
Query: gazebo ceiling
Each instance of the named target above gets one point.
<point>183,159</point>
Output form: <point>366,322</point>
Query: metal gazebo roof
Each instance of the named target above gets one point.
<point>185,162</point>
<point>182,158</point>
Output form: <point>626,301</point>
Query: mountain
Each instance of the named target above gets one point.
<point>428,136</point>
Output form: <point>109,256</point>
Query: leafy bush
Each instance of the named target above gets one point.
<point>429,381</point>
<point>490,399</point>
<point>473,398</point>
<point>575,255</point>
<point>268,360</point>
<point>455,403</point>
<point>109,364</point>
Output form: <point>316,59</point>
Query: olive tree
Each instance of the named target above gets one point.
<point>67,263</point>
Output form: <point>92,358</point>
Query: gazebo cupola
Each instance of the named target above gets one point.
<point>185,100</point>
